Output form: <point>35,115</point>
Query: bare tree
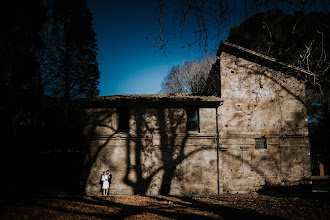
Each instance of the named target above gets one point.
<point>190,77</point>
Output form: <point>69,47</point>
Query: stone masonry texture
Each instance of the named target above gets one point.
<point>158,156</point>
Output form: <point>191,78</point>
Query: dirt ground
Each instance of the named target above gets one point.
<point>65,206</point>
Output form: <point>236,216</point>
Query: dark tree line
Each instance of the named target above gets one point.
<point>48,54</point>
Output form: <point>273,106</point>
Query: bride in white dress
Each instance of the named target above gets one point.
<point>105,183</point>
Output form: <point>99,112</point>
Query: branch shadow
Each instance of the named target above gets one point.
<point>171,149</point>
<point>155,146</point>
<point>158,143</point>
<point>169,207</point>
<point>154,150</point>
<point>221,210</point>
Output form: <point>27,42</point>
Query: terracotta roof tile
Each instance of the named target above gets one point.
<point>142,99</point>
<point>154,96</point>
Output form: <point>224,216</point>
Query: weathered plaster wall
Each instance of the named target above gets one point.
<point>157,156</point>
<point>260,102</point>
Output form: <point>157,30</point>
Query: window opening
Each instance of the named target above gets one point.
<point>192,119</point>
<point>261,143</point>
<point>123,119</point>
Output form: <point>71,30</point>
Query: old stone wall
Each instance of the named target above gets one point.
<point>156,156</point>
<point>263,139</point>
<point>261,103</point>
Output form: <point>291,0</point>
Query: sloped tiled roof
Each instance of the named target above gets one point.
<point>154,99</point>
<point>264,57</point>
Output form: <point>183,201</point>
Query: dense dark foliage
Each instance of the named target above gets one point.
<point>48,58</point>
<point>78,72</point>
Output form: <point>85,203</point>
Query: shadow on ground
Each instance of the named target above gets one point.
<point>319,190</point>
<point>168,207</point>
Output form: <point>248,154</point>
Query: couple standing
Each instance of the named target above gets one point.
<point>106,181</point>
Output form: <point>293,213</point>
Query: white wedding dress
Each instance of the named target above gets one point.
<point>105,181</point>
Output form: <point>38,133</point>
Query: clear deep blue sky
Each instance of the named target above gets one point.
<point>128,61</point>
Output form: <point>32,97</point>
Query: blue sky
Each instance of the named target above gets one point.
<point>128,61</point>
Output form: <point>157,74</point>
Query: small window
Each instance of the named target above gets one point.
<point>192,119</point>
<point>261,143</point>
<point>123,119</point>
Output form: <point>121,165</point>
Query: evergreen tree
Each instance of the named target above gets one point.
<point>77,72</point>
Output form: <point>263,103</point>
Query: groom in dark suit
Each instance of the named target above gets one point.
<point>109,179</point>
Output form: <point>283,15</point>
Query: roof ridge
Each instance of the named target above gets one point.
<point>152,95</point>
<point>268,58</point>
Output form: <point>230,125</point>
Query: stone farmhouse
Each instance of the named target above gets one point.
<point>250,132</point>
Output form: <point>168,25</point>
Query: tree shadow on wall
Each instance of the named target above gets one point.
<point>262,91</point>
<point>169,131</point>
<point>93,122</point>
<point>155,146</point>
<point>159,149</point>
<point>275,86</point>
